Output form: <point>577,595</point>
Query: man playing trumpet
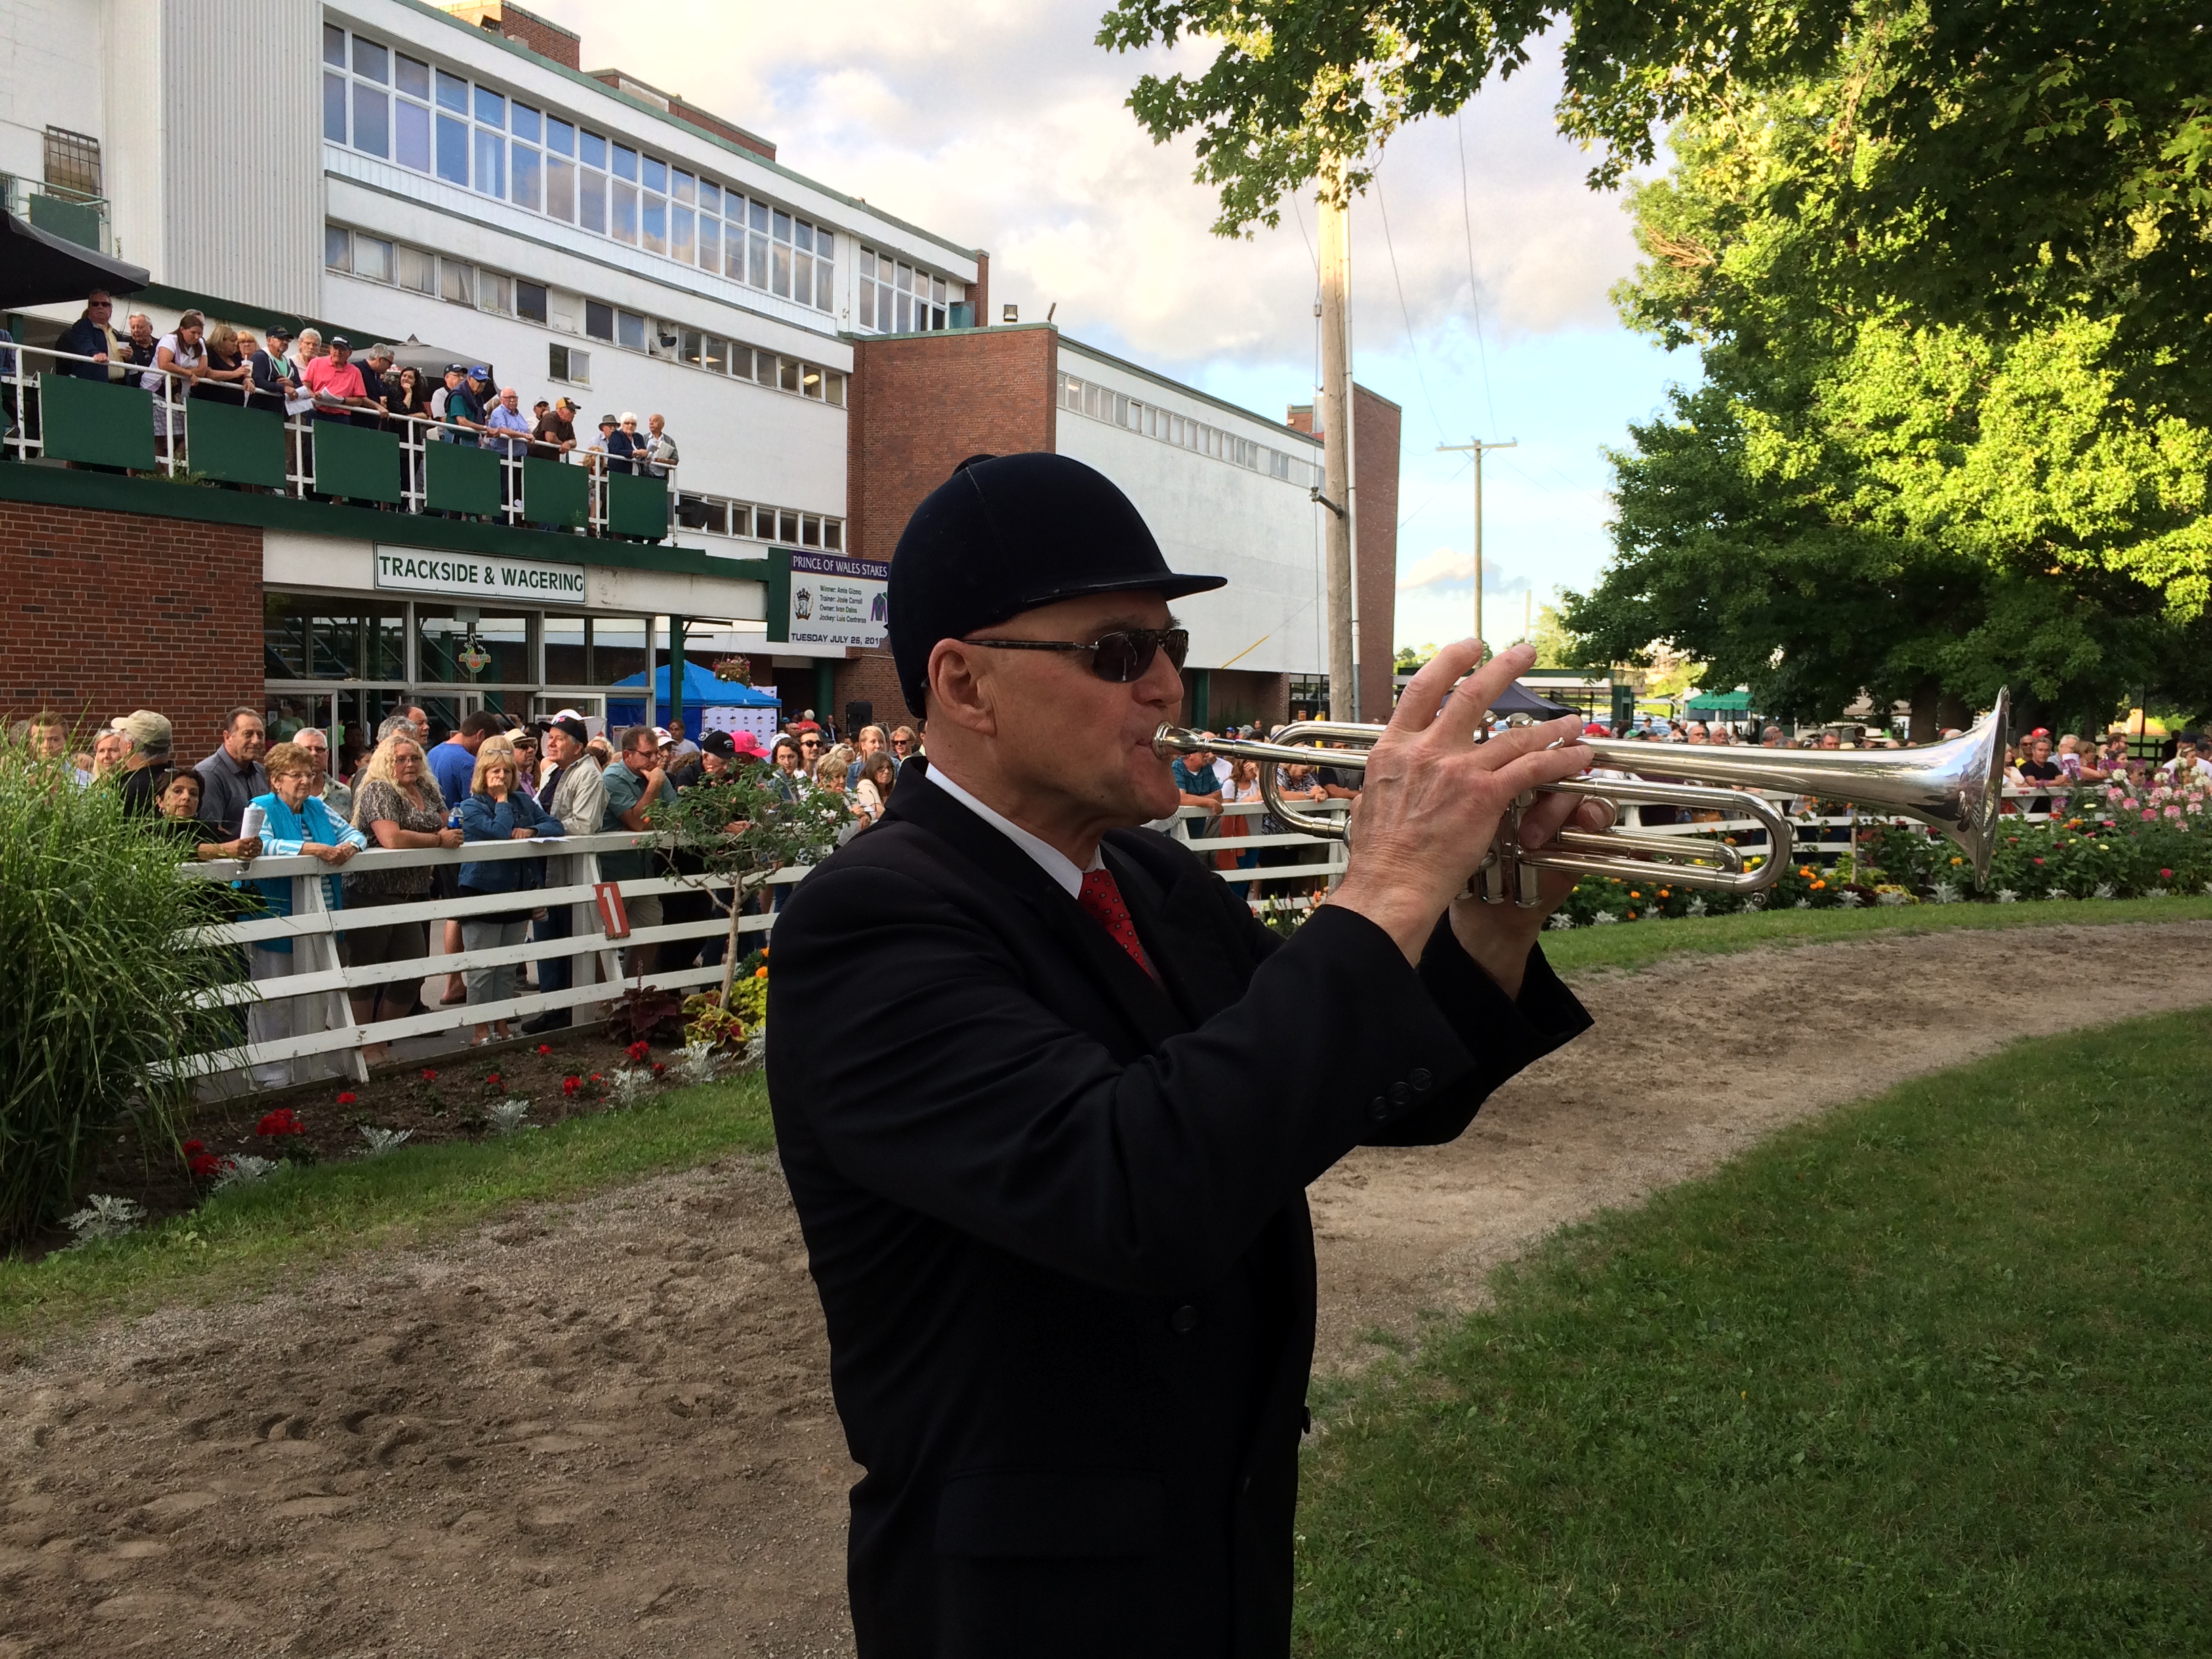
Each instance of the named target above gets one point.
<point>1055,1208</point>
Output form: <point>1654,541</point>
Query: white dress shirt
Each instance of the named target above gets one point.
<point>1049,859</point>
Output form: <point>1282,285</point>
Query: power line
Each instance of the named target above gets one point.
<point>1473,293</point>
<point>1412,347</point>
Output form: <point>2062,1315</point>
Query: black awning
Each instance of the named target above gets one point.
<point>1518,699</point>
<point>37,268</point>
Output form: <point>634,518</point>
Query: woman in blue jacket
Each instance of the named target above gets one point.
<point>497,810</point>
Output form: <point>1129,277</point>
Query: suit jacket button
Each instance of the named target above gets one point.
<point>1399,1094</point>
<point>1378,1109</point>
<point>1184,1320</point>
<point>1419,1077</point>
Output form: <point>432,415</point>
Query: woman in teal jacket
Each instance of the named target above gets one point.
<point>297,824</point>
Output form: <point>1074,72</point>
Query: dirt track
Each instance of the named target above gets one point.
<point>606,1429</point>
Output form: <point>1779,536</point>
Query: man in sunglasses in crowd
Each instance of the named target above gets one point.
<point>1056,1208</point>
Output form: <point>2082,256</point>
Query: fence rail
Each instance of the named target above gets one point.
<point>79,409</point>
<point>310,1028</point>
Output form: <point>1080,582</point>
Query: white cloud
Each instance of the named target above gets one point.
<point>1005,128</point>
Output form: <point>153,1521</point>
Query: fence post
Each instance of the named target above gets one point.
<point>321,953</point>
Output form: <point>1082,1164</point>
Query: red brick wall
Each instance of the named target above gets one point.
<point>1237,696</point>
<point>525,28</point>
<point>101,613</point>
<point>918,407</point>
<point>1375,436</point>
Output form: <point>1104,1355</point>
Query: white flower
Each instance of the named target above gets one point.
<point>2105,890</point>
<point>1603,919</point>
<point>104,1217</point>
<point>627,1086</point>
<point>699,1062</point>
<point>1803,904</point>
<point>1945,892</point>
<point>244,1171</point>
<point>2007,896</point>
<point>506,1116</point>
<point>1848,899</point>
<point>1698,905</point>
<point>382,1141</point>
<point>1560,922</point>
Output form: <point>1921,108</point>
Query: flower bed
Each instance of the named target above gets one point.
<point>2116,842</point>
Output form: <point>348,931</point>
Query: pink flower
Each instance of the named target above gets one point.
<point>2149,815</point>
<point>2166,875</point>
<point>2173,812</point>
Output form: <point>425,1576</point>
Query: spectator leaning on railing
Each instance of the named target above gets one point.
<point>657,449</point>
<point>177,363</point>
<point>298,825</point>
<point>275,381</point>
<point>335,382</point>
<point>92,335</point>
<point>574,792</point>
<point>497,810</point>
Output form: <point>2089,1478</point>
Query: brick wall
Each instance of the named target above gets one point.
<point>1375,437</point>
<point>101,613</point>
<point>1237,697</point>
<point>525,29</point>
<point>917,406</point>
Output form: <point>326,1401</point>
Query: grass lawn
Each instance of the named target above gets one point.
<point>1630,945</point>
<point>251,1236</point>
<point>1932,1374</point>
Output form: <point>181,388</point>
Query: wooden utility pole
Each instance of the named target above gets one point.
<point>1335,396</point>
<point>1477,447</point>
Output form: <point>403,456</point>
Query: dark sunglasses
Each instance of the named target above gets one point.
<point>1120,656</point>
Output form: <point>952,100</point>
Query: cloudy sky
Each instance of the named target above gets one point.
<point>1479,267</point>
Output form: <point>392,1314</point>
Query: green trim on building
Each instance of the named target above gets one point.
<point>158,498</point>
<point>237,445</point>
<point>358,463</point>
<point>460,479</point>
<point>97,422</point>
<point>778,627</point>
<point>556,494</point>
<point>637,507</point>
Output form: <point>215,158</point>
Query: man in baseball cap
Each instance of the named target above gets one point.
<point>1055,1203</point>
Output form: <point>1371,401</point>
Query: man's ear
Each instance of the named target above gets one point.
<point>960,689</point>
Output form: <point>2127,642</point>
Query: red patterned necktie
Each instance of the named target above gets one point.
<point>1101,899</point>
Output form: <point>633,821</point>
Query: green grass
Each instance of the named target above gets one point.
<point>1932,1374</point>
<point>252,1236</point>
<point>1631,944</point>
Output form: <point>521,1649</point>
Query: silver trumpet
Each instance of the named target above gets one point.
<point>1956,787</point>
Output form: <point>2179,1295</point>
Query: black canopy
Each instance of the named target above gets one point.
<point>39,268</point>
<point>1518,699</point>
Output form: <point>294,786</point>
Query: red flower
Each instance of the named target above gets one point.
<point>544,1047</point>
<point>2038,861</point>
<point>429,1076</point>
<point>204,1165</point>
<point>595,1077</point>
<point>492,1082</point>
<point>192,1148</point>
<point>281,1121</point>
<point>2166,875</point>
<point>640,1049</point>
<point>346,1097</point>
<point>658,1068</point>
<point>570,1085</point>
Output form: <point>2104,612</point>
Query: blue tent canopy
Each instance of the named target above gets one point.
<point>701,691</point>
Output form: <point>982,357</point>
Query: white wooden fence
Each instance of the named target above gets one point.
<point>327,1040</point>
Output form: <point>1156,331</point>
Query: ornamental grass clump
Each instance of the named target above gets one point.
<point>104,993</point>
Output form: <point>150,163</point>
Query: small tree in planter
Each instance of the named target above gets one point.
<point>102,995</point>
<point>743,828</point>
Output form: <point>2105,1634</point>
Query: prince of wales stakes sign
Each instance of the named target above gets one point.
<point>473,576</point>
<point>825,599</point>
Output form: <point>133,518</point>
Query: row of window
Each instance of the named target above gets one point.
<point>1117,409</point>
<point>898,299</point>
<point>719,515</point>
<point>377,260</point>
<point>384,103</point>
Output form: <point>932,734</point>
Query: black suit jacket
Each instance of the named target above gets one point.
<point>1057,1212</point>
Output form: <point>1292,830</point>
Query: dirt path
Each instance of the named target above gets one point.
<point>606,1429</point>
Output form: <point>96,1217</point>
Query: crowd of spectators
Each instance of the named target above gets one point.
<point>495,778</point>
<point>306,375</point>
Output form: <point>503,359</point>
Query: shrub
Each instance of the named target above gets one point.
<point>102,998</point>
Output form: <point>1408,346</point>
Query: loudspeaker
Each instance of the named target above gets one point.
<point>858,714</point>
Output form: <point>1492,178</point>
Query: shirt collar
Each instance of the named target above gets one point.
<point>1047,857</point>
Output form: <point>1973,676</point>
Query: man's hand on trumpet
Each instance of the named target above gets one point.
<point>1433,800</point>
